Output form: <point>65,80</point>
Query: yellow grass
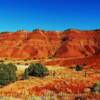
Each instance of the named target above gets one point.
<point>20,88</point>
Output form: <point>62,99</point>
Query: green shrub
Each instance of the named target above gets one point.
<point>37,70</point>
<point>12,72</point>
<point>96,87</point>
<point>78,68</point>
<point>4,75</point>
<point>12,66</point>
<point>26,74</point>
<point>7,73</point>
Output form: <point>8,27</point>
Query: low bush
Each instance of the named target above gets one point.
<point>7,73</point>
<point>96,87</point>
<point>36,69</point>
<point>78,68</point>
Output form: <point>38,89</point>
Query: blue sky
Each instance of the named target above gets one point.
<point>49,14</point>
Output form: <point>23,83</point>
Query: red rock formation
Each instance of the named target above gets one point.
<point>79,43</point>
<point>45,44</point>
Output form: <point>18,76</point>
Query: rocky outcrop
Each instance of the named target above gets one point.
<point>40,44</point>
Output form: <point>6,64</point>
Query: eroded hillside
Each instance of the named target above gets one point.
<point>47,44</point>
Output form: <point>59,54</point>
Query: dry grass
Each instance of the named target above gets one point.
<point>21,88</point>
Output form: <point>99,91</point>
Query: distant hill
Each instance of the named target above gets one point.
<point>40,44</point>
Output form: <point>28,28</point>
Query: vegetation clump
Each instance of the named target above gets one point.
<point>7,73</point>
<point>26,74</point>
<point>36,69</point>
<point>96,87</point>
<point>78,68</point>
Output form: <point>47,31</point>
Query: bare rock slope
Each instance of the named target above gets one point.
<point>47,44</point>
